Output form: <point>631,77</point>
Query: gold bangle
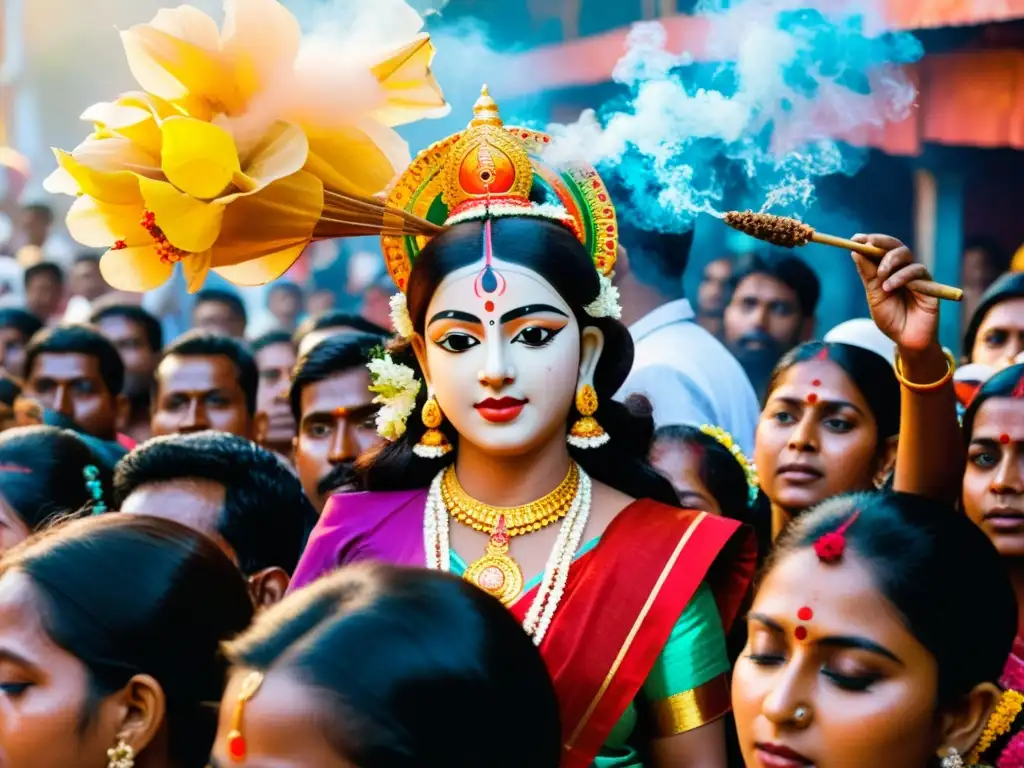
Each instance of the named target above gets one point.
<point>951,369</point>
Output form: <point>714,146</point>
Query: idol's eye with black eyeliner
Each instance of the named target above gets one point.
<point>457,342</point>
<point>536,336</point>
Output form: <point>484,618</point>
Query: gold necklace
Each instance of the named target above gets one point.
<point>526,518</point>
<point>497,572</point>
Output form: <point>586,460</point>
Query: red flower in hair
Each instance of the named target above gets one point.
<point>830,547</point>
<point>1013,754</point>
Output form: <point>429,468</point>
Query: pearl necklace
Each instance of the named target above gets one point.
<point>437,545</point>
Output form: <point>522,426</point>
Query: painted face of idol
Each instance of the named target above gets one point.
<point>504,364</point>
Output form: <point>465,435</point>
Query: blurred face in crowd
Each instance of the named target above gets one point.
<point>993,490</point>
<point>713,286</point>
<point>1000,336</point>
<point>681,464</point>
<point>831,675</point>
<point>71,384</point>
<point>132,344</point>
<point>285,304</point>
<point>85,280</point>
<point>337,425</point>
<point>43,295</point>
<point>35,224</point>
<point>218,317</point>
<point>12,351</point>
<point>817,437</point>
<point>377,307</point>
<point>764,312</point>
<point>319,302</point>
<point>275,425</point>
<point>977,269</point>
<point>198,392</point>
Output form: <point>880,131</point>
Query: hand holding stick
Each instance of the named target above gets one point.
<point>790,233</point>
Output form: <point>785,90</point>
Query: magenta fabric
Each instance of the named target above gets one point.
<point>355,527</point>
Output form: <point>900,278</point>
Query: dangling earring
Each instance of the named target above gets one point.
<point>121,756</point>
<point>952,759</point>
<point>586,432</point>
<point>433,444</point>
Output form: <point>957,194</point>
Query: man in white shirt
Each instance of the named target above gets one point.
<point>686,373</point>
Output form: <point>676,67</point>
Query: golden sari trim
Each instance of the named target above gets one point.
<point>691,709</point>
<point>635,629</point>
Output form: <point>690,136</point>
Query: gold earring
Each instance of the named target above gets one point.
<point>433,444</point>
<point>586,432</point>
<point>121,756</point>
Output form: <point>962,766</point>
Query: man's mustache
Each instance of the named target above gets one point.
<point>757,338</point>
<point>343,474</point>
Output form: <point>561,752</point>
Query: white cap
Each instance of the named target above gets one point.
<point>862,332</point>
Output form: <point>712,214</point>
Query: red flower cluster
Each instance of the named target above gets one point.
<point>1013,755</point>
<point>830,547</point>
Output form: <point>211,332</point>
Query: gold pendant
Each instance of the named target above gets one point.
<point>496,573</point>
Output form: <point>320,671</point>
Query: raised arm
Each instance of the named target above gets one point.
<point>929,458</point>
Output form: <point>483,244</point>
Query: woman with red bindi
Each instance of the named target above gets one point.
<point>854,657</point>
<point>834,413</point>
<point>993,499</point>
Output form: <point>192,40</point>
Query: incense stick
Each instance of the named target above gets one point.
<point>790,233</point>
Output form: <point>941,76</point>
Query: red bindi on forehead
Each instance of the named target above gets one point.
<point>805,613</point>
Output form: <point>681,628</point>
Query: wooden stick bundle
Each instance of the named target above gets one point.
<point>790,233</point>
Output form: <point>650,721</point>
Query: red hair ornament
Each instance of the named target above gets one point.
<point>830,547</point>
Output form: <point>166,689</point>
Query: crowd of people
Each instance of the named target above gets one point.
<point>658,534</point>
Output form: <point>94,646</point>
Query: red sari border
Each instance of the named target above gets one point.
<point>621,603</point>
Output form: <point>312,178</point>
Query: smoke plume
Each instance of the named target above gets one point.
<point>767,121</point>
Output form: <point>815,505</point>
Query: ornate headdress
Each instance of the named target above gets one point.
<point>490,171</point>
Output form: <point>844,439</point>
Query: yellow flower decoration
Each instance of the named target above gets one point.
<point>999,723</point>
<point>749,469</point>
<point>239,150</point>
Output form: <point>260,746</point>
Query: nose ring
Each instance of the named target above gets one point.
<point>800,714</point>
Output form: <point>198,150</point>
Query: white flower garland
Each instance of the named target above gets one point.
<point>396,388</point>
<point>437,545</point>
<point>607,302</point>
<point>400,316</point>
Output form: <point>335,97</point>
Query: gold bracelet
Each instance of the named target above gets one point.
<point>951,369</point>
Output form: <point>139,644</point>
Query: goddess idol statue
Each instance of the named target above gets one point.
<point>510,464</point>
